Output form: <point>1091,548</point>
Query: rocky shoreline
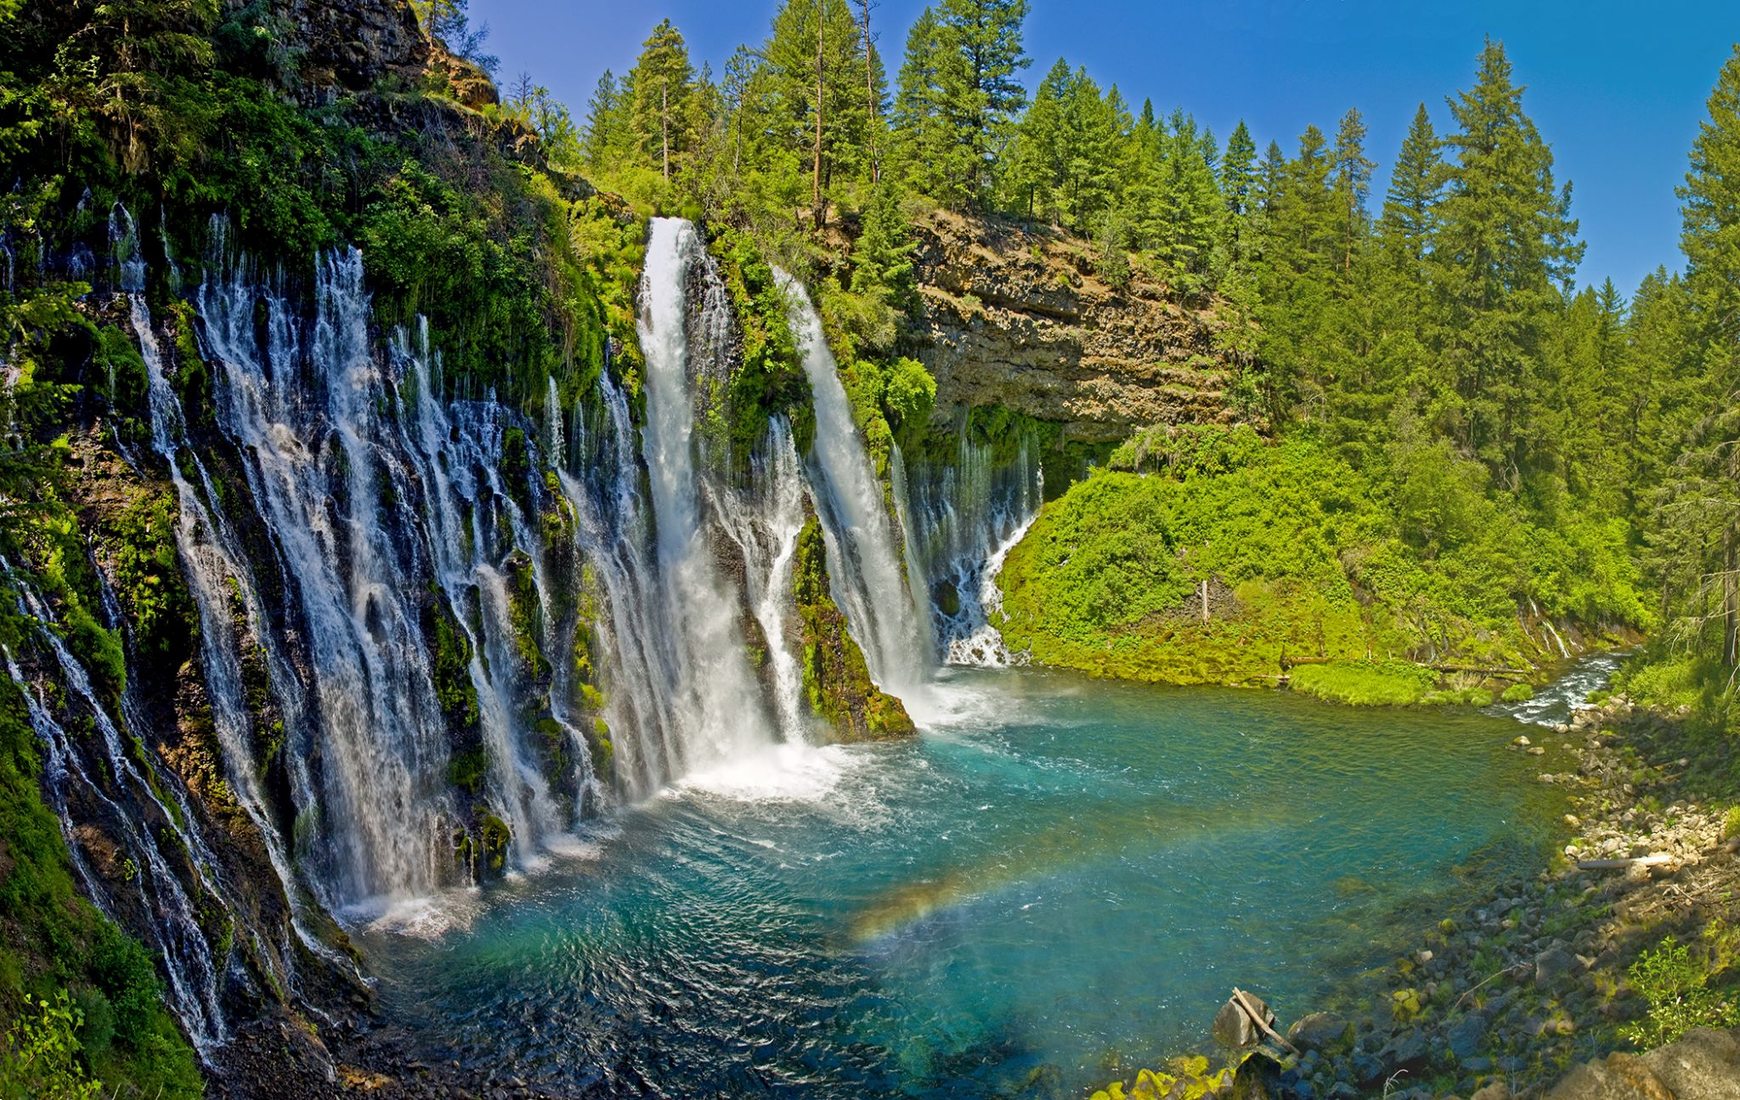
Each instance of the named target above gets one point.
<point>1514,991</point>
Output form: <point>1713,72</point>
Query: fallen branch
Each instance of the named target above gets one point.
<point>1242,999</point>
<point>1514,969</point>
<point>1656,860</point>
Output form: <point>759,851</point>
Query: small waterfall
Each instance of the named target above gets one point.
<point>614,530</point>
<point>863,565</point>
<point>719,704</point>
<point>962,519</point>
<point>217,573</point>
<point>765,523</point>
<point>130,809</point>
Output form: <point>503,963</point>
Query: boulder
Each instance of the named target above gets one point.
<point>1553,965</point>
<point>1259,1077</point>
<point>1406,1052</point>
<point>1466,1036</point>
<point>1705,1065</point>
<point>1320,1031</point>
<point>1233,1027</point>
<point>1497,1090</point>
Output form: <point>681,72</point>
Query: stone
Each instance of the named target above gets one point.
<point>1553,965</point>
<point>1233,1028</point>
<point>1407,1051</point>
<point>1466,1036</point>
<point>1498,1090</point>
<point>1477,1065</point>
<point>1259,1077</point>
<point>1320,1031</point>
<point>1705,1065</point>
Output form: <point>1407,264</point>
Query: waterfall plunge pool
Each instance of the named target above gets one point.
<point>1060,880</point>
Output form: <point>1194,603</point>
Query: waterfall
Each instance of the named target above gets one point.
<point>614,530</point>
<point>126,801</point>
<point>765,522</point>
<point>962,519</point>
<point>863,565</point>
<point>718,701</point>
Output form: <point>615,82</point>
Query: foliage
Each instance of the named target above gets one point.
<point>56,945</point>
<point>1310,559</point>
<point>39,1055</point>
<point>1676,988</point>
<point>1364,683</point>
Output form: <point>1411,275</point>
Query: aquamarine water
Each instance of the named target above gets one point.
<point>1059,880</point>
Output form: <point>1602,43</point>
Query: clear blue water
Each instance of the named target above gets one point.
<point>1059,880</point>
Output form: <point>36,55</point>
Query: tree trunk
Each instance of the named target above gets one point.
<point>1731,597</point>
<point>870,94</point>
<point>820,213</point>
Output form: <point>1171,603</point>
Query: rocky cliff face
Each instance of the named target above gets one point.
<point>1016,316</point>
<point>349,47</point>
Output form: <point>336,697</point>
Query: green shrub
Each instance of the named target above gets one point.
<point>1517,693</point>
<point>1675,986</point>
<point>39,1058</point>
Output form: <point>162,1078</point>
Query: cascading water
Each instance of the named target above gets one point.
<point>719,704</point>
<point>961,520</point>
<point>765,523</point>
<point>127,801</point>
<point>863,564</point>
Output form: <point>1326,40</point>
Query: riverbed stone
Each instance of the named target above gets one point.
<point>1320,1031</point>
<point>1553,965</point>
<point>1466,1036</point>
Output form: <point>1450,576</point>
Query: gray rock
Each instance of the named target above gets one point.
<point>1477,1065</point>
<point>1498,1090</point>
<point>1320,1031</point>
<point>1466,1036</point>
<point>1553,965</point>
<point>1407,1051</point>
<point>1233,1027</point>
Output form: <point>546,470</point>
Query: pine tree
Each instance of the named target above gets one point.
<point>1238,171</point>
<point>814,68</point>
<point>1505,246</point>
<point>1350,173</point>
<point>1710,237</point>
<point>1410,213</point>
<point>661,85</point>
<point>959,95</point>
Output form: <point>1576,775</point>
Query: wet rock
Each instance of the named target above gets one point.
<point>1320,1031</point>
<point>1259,1077</point>
<point>1233,1026</point>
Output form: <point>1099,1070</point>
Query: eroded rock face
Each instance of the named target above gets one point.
<point>1015,316</point>
<point>352,46</point>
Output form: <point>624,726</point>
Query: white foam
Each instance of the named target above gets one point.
<point>779,773</point>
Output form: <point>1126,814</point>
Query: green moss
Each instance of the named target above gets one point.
<point>56,945</point>
<point>836,680</point>
<point>769,381</point>
<point>1364,683</point>
<point>468,769</point>
<point>494,842</point>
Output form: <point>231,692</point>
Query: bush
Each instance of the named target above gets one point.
<point>1675,986</point>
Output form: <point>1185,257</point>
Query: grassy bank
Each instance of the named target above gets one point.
<point>1359,580</point>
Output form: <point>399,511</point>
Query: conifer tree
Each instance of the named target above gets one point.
<point>1505,245</point>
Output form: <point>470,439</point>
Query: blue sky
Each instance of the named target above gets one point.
<point>1618,89</point>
